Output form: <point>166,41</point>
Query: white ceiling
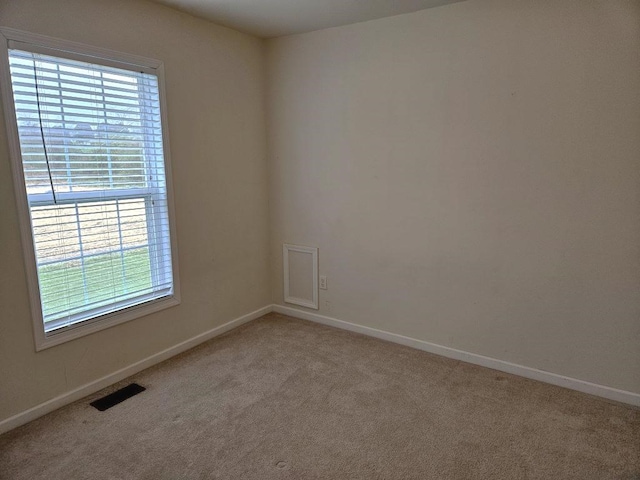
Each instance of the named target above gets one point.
<point>274,18</point>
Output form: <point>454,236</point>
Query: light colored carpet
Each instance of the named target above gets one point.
<point>281,398</point>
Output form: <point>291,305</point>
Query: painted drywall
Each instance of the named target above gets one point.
<point>471,176</point>
<point>215,94</point>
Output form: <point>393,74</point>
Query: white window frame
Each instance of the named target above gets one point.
<point>78,51</point>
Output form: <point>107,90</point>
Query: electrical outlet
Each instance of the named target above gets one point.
<point>323,282</point>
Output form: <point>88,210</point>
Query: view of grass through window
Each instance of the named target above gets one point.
<point>91,254</point>
<point>95,281</point>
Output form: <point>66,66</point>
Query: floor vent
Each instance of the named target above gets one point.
<point>118,396</point>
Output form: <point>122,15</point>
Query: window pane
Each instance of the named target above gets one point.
<point>84,126</point>
<point>94,281</point>
<point>55,231</point>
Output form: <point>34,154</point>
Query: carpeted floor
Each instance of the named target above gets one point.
<point>281,398</point>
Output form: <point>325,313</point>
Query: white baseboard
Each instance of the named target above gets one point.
<point>527,372</point>
<point>609,393</point>
<point>92,387</point>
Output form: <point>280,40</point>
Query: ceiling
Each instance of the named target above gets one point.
<point>274,18</point>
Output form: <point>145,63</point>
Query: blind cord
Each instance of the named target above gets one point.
<point>44,143</point>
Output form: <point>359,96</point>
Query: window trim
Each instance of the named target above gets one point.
<point>78,51</point>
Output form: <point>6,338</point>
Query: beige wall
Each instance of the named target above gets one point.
<point>215,93</point>
<point>471,175</point>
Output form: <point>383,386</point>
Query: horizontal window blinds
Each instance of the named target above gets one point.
<point>92,155</point>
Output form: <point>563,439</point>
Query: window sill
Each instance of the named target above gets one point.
<point>44,341</point>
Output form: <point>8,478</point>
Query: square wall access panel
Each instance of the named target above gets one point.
<point>300,266</point>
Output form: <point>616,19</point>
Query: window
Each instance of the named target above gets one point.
<point>92,179</point>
